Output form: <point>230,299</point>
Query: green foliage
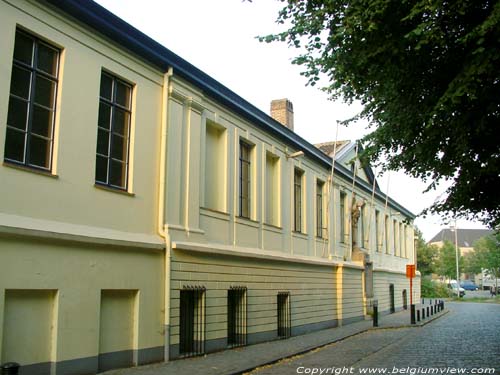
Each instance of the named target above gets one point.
<point>429,289</point>
<point>487,254</point>
<point>426,255</point>
<point>446,264</point>
<point>427,73</point>
<point>472,263</point>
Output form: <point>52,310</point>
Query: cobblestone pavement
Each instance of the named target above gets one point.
<point>468,337</point>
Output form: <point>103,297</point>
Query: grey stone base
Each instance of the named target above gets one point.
<point>255,338</point>
<point>354,319</point>
<point>92,365</point>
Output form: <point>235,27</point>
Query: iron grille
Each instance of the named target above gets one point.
<point>192,321</point>
<point>284,315</point>
<point>237,316</point>
<point>391,298</point>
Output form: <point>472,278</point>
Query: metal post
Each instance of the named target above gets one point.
<point>375,313</point>
<point>10,368</point>
<point>418,315</point>
<point>456,258</point>
<point>412,314</point>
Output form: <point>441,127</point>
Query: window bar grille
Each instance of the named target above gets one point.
<point>192,321</point>
<point>391,298</point>
<point>237,316</point>
<point>284,315</point>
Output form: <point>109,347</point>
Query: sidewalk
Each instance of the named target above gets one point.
<point>244,359</point>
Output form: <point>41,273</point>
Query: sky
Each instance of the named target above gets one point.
<point>219,37</point>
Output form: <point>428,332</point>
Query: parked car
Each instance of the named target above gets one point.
<point>452,285</point>
<point>468,285</point>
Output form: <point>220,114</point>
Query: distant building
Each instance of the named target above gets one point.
<point>465,242</point>
<point>465,238</point>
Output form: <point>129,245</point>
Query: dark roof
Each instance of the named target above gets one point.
<point>93,15</point>
<point>465,237</point>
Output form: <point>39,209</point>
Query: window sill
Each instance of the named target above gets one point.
<point>113,190</point>
<point>247,221</point>
<point>300,235</point>
<point>212,210</point>
<point>273,227</point>
<point>25,168</point>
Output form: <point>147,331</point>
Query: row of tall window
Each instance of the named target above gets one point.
<point>29,139</point>
<point>215,161</point>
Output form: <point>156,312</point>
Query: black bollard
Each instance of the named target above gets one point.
<point>375,313</point>
<point>10,368</point>
<point>428,313</point>
<point>412,314</point>
<point>418,315</point>
<point>423,313</point>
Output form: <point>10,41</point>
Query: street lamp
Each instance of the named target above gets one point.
<point>455,229</point>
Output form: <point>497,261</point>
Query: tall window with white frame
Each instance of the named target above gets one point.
<point>320,229</point>
<point>272,190</point>
<point>29,136</point>
<point>113,132</point>
<point>245,179</point>
<point>342,205</point>
<point>378,245</point>
<point>297,200</point>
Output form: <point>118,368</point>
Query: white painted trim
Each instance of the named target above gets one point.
<point>245,252</point>
<point>53,230</point>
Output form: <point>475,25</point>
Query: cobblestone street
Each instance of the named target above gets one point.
<point>468,337</point>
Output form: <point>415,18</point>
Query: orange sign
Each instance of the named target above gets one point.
<point>410,271</point>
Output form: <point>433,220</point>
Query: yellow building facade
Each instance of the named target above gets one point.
<point>150,213</point>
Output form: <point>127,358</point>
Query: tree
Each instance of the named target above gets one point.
<point>427,73</point>
<point>446,264</point>
<point>426,255</point>
<point>487,254</point>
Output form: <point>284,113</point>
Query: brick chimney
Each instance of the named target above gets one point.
<point>282,111</point>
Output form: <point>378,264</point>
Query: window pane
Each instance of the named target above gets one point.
<point>245,172</point>
<point>104,120</point>
<point>120,122</point>
<point>14,145</point>
<point>103,142</point>
<point>20,82</point>
<point>23,48</point>
<point>39,152</point>
<point>47,59</point>
<point>18,113</point>
<point>244,208</point>
<point>106,86</point>
<point>45,92</point>
<point>101,169</point>
<point>122,94</point>
<point>117,173</point>
<point>118,147</point>
<point>41,123</point>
